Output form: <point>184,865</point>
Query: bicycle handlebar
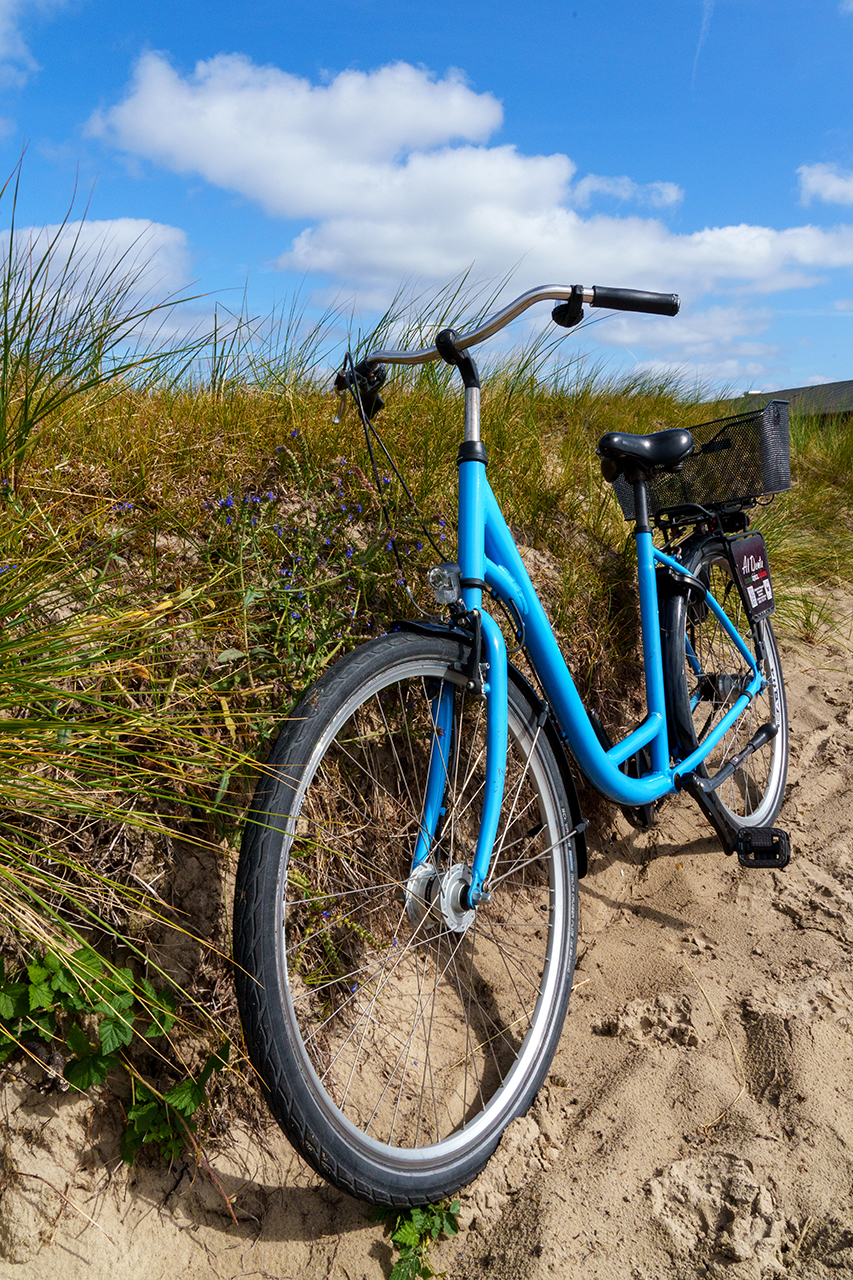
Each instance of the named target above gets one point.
<point>660,304</point>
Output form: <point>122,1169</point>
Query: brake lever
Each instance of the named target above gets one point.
<point>343,401</point>
<point>365,380</point>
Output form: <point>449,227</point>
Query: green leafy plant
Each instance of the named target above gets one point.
<point>167,1119</point>
<point>38,1001</point>
<point>45,1002</point>
<point>414,1232</point>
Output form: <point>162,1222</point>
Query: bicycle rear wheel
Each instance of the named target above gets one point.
<point>705,673</point>
<point>395,1032</point>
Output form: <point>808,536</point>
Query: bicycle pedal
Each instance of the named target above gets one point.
<point>763,847</point>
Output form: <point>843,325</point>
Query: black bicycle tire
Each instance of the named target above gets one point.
<point>704,560</point>
<point>310,1118</point>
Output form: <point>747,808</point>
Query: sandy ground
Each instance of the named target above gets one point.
<point>698,1119</point>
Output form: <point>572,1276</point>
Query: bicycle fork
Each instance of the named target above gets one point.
<point>490,683</point>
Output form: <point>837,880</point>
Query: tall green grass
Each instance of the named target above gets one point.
<point>72,319</point>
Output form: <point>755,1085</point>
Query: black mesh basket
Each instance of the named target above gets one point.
<point>736,459</point>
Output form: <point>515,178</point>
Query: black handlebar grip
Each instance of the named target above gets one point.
<point>656,304</point>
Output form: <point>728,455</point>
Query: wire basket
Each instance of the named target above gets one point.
<point>736,460</point>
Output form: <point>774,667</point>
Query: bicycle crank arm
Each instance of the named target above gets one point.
<point>760,739</point>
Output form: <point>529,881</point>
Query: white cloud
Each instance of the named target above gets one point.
<point>732,374</point>
<point>16,61</point>
<point>846,6</point>
<point>657,194</point>
<point>122,267</point>
<point>698,332</point>
<point>393,178</point>
<point>390,152</point>
<point>825,181</point>
<point>557,244</point>
<point>301,150</point>
<point>719,343</point>
<point>146,259</point>
<point>390,170</point>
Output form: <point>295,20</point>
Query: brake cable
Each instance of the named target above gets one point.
<point>352,380</point>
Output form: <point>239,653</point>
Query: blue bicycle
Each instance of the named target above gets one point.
<point>406,908</point>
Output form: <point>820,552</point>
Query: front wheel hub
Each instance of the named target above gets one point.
<point>453,899</point>
<point>421,893</point>
<point>441,898</point>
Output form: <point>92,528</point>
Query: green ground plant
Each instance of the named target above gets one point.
<point>168,1120</point>
<point>414,1232</point>
<point>74,1016</point>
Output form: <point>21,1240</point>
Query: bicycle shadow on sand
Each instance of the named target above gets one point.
<point>274,1194</point>
<point>634,856</point>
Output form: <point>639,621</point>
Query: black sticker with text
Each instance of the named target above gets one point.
<point>749,557</point>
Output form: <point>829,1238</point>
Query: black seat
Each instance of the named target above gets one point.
<point>621,452</point>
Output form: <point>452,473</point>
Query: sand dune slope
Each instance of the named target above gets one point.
<point>698,1119</point>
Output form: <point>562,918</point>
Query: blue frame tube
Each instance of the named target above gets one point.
<point>708,743</point>
<point>652,655</point>
<point>503,562</point>
<point>438,773</point>
<point>495,690</point>
<point>734,634</point>
<point>474,493</point>
<point>502,558</point>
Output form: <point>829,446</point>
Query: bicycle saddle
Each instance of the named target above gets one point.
<point>621,452</point>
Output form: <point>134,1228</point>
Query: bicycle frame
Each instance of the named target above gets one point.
<point>487,553</point>
<point>488,556</point>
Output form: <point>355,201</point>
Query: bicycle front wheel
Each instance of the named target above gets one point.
<point>396,1031</point>
<point>705,674</point>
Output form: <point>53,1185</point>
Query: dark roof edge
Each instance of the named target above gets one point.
<point>825,398</point>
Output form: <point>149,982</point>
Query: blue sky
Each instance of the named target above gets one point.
<point>347,148</point>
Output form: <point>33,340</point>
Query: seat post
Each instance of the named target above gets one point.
<point>472,413</point>
<point>650,621</point>
<point>641,504</point>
